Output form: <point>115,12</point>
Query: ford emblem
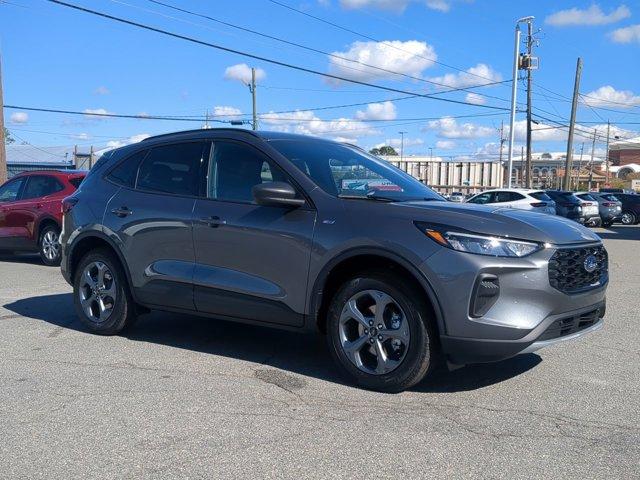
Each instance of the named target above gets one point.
<point>590,263</point>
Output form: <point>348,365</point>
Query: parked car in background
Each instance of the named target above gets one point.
<point>567,205</point>
<point>591,212</point>
<point>264,228</point>
<point>630,208</point>
<point>523,199</point>
<point>616,190</point>
<point>609,207</point>
<point>31,211</point>
<point>457,197</point>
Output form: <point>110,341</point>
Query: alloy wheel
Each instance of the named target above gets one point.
<point>51,245</point>
<point>97,291</point>
<point>627,218</point>
<point>374,332</point>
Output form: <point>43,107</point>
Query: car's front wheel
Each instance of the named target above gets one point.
<point>628,218</point>
<point>49,245</point>
<point>101,294</point>
<point>380,332</point>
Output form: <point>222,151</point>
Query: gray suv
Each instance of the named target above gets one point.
<point>311,235</point>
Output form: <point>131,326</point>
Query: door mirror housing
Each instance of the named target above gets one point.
<point>276,194</point>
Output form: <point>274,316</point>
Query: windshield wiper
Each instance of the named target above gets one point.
<point>367,197</point>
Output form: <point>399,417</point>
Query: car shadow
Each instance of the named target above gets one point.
<point>620,232</point>
<point>30,258</point>
<point>304,354</point>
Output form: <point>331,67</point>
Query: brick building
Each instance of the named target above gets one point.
<point>625,152</point>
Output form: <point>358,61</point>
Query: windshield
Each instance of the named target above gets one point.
<point>346,171</point>
<point>542,196</point>
<point>609,197</point>
<point>586,196</point>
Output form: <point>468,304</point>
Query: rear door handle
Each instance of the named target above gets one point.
<point>122,212</point>
<point>213,222</point>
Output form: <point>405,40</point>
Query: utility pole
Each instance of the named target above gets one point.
<point>3,152</point>
<point>501,144</point>
<point>252,88</point>
<point>522,177</point>
<point>579,167</point>
<point>402,145</point>
<point>593,149</point>
<point>528,64</point>
<point>514,90</point>
<point>606,157</point>
<point>572,124</point>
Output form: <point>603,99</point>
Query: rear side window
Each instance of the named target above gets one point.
<point>501,197</point>
<point>173,169</point>
<point>41,186</point>
<point>76,181</point>
<point>125,173</point>
<point>542,196</point>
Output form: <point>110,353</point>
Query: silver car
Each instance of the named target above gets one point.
<point>310,235</point>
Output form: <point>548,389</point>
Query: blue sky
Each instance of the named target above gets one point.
<point>55,57</point>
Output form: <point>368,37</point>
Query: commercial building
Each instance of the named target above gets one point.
<point>25,157</point>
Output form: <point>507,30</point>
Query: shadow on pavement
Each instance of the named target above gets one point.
<point>290,351</point>
<point>620,232</point>
<point>32,258</point>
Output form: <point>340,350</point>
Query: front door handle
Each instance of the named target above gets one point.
<point>213,222</point>
<point>122,212</point>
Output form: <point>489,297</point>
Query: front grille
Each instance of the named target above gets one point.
<point>569,325</point>
<point>567,271</point>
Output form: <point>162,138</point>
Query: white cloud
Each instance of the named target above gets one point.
<point>397,142</point>
<point>307,123</point>
<point>409,58</point>
<point>448,127</point>
<point>445,144</point>
<point>590,16</point>
<point>627,34</point>
<point>102,90</point>
<point>230,113</point>
<point>481,74</point>
<point>394,5</point>
<point>19,117</point>
<point>81,136</point>
<point>609,96</point>
<point>95,113</point>
<point>242,73</point>
<point>133,139</point>
<point>378,111</point>
<point>475,98</point>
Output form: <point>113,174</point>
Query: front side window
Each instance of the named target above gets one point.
<point>173,169</point>
<point>10,190</point>
<point>235,169</point>
<point>41,186</point>
<point>346,171</point>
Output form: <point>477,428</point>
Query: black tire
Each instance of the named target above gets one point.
<point>628,218</point>
<point>421,354</point>
<point>49,245</point>
<point>123,309</point>
<point>607,224</point>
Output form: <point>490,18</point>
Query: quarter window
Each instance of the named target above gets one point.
<point>235,169</point>
<point>172,169</point>
<point>41,186</point>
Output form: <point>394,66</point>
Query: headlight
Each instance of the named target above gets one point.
<point>480,244</point>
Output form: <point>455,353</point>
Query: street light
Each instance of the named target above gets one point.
<point>514,85</point>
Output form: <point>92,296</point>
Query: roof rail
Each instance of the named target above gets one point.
<point>199,130</point>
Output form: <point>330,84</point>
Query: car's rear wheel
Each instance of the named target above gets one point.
<point>379,332</point>
<point>49,245</point>
<point>628,218</point>
<point>101,294</point>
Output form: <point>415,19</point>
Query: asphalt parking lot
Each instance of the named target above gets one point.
<point>186,397</point>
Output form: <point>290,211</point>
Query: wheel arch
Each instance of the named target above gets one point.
<point>348,263</point>
<point>44,222</point>
<point>93,240</point>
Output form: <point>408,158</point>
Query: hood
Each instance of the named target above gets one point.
<point>505,222</point>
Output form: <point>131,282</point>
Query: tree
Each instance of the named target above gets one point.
<point>8,139</point>
<point>383,150</point>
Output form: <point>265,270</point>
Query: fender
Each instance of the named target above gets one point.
<point>102,236</point>
<point>315,296</point>
<point>38,226</point>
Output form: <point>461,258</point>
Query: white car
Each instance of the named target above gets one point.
<point>457,197</point>
<point>521,198</point>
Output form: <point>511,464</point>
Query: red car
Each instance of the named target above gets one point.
<point>31,211</point>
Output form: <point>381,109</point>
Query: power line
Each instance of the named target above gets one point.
<point>359,34</point>
<point>322,52</point>
<point>261,58</point>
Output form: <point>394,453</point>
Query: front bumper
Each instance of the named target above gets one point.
<point>462,351</point>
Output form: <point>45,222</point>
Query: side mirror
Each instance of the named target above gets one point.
<point>276,194</point>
